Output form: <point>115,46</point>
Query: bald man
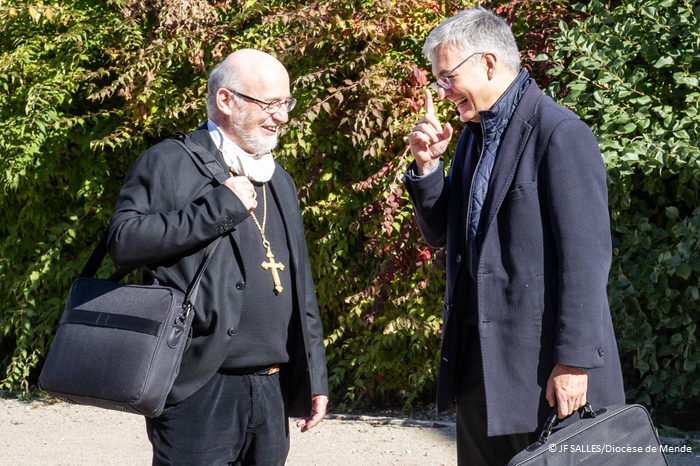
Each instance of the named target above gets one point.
<point>256,353</point>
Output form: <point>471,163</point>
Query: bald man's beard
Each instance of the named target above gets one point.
<point>248,132</point>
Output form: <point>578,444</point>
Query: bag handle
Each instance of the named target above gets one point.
<point>100,251</point>
<point>552,421</point>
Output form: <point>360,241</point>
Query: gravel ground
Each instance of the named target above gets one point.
<point>61,434</point>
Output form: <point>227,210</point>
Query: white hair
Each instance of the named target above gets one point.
<point>472,31</point>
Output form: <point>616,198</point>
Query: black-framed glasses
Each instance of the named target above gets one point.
<point>444,81</point>
<point>269,107</point>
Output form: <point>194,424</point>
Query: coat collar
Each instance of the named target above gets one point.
<point>201,136</point>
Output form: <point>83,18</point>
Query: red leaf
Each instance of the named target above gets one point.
<point>419,76</point>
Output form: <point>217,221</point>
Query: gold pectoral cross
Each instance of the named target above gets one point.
<point>273,267</point>
<point>270,265</point>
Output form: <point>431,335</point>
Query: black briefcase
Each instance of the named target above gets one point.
<point>617,435</point>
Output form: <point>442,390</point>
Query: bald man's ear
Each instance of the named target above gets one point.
<point>223,101</point>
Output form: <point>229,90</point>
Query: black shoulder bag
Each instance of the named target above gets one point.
<point>120,346</point>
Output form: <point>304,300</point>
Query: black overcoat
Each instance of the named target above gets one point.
<point>166,213</point>
<point>542,273</point>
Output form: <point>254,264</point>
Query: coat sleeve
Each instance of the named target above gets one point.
<point>314,332</point>
<point>314,350</point>
<point>429,196</point>
<point>167,209</point>
<point>578,203</point>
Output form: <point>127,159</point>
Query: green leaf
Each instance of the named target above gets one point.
<point>676,339</point>
<point>689,366</point>
<point>663,62</point>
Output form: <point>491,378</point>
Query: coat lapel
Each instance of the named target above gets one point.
<point>286,201</point>
<point>460,183</point>
<point>511,150</point>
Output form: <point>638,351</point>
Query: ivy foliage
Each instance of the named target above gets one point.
<point>632,71</point>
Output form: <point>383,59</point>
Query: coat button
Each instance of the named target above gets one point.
<point>240,285</point>
<point>232,331</point>
<point>459,258</point>
<point>601,352</point>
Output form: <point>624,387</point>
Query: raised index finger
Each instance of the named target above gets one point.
<point>429,109</point>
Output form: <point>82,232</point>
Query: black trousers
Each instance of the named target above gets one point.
<point>233,420</point>
<point>474,448</point>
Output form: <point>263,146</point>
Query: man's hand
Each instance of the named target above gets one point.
<point>429,139</point>
<point>320,403</point>
<point>244,189</point>
<point>567,389</point>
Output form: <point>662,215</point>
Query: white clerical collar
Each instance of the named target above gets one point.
<point>256,167</point>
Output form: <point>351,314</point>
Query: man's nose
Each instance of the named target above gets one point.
<point>281,115</point>
<point>443,93</point>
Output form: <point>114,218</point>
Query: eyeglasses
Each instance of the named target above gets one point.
<point>269,107</point>
<point>444,81</point>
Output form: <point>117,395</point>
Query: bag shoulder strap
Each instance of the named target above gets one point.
<point>96,258</point>
<point>202,157</point>
<point>206,161</point>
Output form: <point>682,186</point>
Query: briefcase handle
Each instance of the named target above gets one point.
<point>553,419</point>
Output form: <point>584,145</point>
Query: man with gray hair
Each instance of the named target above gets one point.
<point>255,354</point>
<point>522,213</point>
